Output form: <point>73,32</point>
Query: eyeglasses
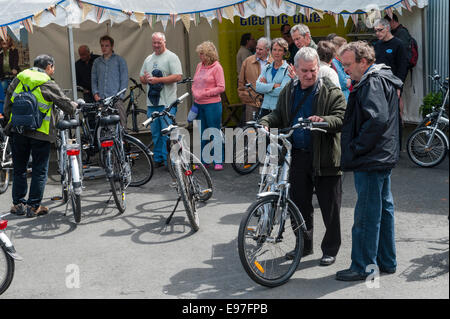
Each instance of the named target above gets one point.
<point>379,30</point>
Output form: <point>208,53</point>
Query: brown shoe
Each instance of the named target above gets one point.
<point>18,209</point>
<point>33,212</point>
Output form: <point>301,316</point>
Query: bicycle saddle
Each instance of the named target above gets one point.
<point>110,119</point>
<point>65,125</point>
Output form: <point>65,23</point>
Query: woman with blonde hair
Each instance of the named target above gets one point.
<point>209,83</point>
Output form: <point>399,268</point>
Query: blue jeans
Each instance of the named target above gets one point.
<point>373,238</point>
<point>210,116</point>
<point>159,141</point>
<point>21,147</point>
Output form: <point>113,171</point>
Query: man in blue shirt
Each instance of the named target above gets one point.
<point>110,76</point>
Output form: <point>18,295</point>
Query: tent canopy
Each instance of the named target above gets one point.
<point>43,12</point>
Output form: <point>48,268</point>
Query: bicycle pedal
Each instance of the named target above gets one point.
<point>55,198</point>
<point>206,191</point>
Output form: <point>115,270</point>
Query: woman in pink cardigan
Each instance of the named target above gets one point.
<point>209,83</point>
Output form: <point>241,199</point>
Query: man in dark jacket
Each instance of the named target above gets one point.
<point>315,156</point>
<point>370,148</point>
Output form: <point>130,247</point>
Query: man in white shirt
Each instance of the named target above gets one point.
<point>161,71</point>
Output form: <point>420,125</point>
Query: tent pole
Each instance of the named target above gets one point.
<point>74,89</point>
<point>267,28</point>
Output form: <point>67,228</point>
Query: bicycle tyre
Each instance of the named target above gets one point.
<point>239,164</point>
<point>76,206</point>
<point>117,183</point>
<point>421,156</point>
<point>135,150</point>
<point>135,119</point>
<point>8,261</point>
<point>5,172</point>
<point>254,267</point>
<point>187,197</point>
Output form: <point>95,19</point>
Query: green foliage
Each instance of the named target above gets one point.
<point>430,100</point>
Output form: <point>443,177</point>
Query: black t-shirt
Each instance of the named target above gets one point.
<point>83,71</point>
<point>393,54</point>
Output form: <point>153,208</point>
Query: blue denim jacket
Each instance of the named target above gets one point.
<point>109,76</point>
<point>343,77</point>
<point>271,94</point>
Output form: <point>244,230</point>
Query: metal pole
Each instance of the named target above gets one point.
<point>74,91</point>
<point>267,28</point>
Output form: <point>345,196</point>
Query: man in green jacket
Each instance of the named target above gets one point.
<point>315,156</point>
<point>37,142</point>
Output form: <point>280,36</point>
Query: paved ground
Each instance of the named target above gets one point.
<point>135,255</point>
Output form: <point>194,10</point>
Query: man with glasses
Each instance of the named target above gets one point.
<point>370,149</point>
<point>391,51</point>
<point>302,37</point>
<point>37,142</point>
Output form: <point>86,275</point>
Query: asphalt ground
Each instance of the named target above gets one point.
<point>136,255</point>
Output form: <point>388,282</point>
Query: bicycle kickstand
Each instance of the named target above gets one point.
<point>173,212</point>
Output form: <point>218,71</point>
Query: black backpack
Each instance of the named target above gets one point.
<point>26,115</point>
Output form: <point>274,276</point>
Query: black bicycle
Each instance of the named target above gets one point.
<point>137,115</point>
<point>245,145</point>
<point>193,182</point>
<point>5,159</point>
<point>109,137</point>
<point>137,153</point>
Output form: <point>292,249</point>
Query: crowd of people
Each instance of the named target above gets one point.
<point>354,87</point>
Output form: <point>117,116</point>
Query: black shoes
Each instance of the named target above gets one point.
<point>327,260</point>
<point>350,275</point>
<point>290,255</point>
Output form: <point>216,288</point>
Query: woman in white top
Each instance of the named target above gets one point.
<point>326,51</point>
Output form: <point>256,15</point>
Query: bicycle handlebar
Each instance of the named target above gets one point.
<point>188,79</point>
<point>166,110</point>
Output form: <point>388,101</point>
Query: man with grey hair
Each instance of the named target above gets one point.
<point>302,36</point>
<point>250,71</point>
<point>390,51</point>
<point>315,156</point>
<point>370,149</point>
<point>83,68</point>
<point>161,71</point>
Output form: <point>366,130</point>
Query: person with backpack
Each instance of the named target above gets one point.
<point>29,108</point>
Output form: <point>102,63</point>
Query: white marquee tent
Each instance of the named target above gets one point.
<point>47,22</point>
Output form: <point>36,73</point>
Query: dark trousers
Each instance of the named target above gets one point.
<point>21,147</point>
<point>329,195</point>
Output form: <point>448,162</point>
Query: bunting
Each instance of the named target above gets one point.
<point>15,29</point>
<point>80,4</point>
<point>28,25</point>
<point>164,19</point>
<point>197,19</point>
<point>99,13</point>
<point>278,2</point>
<point>320,13</point>
<point>307,12</point>
<point>86,9</point>
<point>173,19</point>
<point>186,19</point>
<point>219,15</point>
<point>229,11</point>
<point>4,33</point>
<point>52,10</point>
<point>355,18</point>
<point>139,18</point>
<point>240,8</point>
<point>336,17</point>
<point>263,3</point>
<point>345,17</point>
<point>407,5</point>
<point>389,12</point>
<point>37,17</point>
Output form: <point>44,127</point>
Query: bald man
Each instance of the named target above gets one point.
<point>83,69</point>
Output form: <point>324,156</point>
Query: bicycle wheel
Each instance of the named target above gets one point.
<point>261,251</point>
<point>75,199</point>
<point>426,156</point>
<point>185,191</point>
<point>141,162</point>
<point>6,270</point>
<point>245,152</point>
<point>201,180</point>
<point>117,181</point>
<point>5,171</point>
<point>137,117</point>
